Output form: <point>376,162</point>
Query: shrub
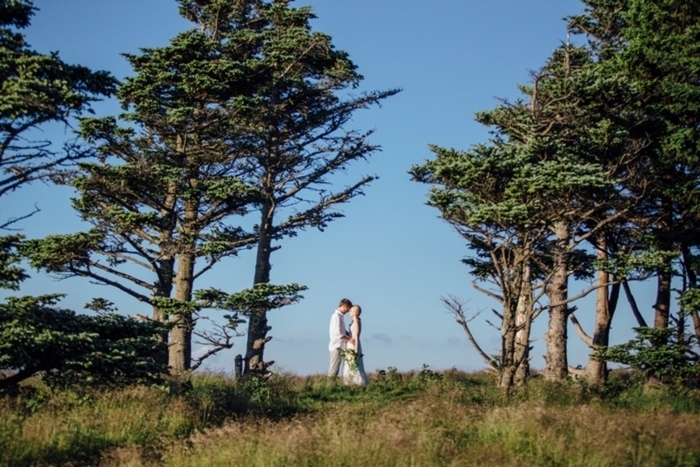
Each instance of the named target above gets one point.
<point>75,349</point>
<point>662,354</point>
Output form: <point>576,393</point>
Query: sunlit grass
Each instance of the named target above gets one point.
<point>77,427</point>
<point>419,418</point>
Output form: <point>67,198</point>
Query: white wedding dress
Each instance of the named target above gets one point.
<point>355,376</point>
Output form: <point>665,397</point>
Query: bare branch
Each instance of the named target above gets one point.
<point>12,220</point>
<point>456,306</point>
<point>102,280</point>
<point>217,340</point>
<point>633,304</point>
<point>579,330</point>
<point>487,292</point>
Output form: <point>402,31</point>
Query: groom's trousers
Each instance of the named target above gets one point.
<point>334,369</point>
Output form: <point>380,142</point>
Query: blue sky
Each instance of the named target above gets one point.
<point>391,254</point>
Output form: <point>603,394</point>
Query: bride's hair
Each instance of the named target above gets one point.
<point>356,308</point>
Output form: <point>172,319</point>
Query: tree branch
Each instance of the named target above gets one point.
<point>633,304</point>
<point>579,330</point>
<point>457,308</point>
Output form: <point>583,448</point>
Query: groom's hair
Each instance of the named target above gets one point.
<point>345,302</point>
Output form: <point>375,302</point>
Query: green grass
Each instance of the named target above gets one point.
<point>420,418</point>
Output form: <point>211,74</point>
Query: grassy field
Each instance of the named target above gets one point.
<point>417,419</point>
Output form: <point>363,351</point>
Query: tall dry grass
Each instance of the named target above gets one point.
<point>440,424</point>
<point>421,418</point>
<point>78,428</point>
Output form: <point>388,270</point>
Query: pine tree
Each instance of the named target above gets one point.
<point>243,113</point>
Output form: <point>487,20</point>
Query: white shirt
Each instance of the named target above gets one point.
<point>337,331</point>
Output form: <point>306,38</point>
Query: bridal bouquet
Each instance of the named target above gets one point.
<point>351,357</point>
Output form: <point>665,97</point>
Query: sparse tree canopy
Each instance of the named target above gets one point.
<point>37,89</point>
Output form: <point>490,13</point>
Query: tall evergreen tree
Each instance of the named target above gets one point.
<point>294,125</point>
<point>655,46</point>
<point>625,102</point>
<point>527,201</point>
<point>169,175</point>
<point>237,115</point>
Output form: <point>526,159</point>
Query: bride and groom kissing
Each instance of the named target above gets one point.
<point>345,346</point>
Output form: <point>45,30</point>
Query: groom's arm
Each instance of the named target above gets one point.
<point>337,328</point>
<point>344,335</point>
<point>342,332</point>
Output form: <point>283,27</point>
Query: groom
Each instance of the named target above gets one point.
<point>339,336</point>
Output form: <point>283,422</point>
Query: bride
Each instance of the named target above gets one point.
<point>354,368</point>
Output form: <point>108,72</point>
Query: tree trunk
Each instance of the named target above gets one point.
<point>556,361</point>
<point>506,378</point>
<point>523,320</point>
<point>515,328</point>
<point>257,322</point>
<point>662,307</point>
<point>164,288</point>
<point>165,270</point>
<point>692,283</point>
<point>633,304</point>
<point>180,346</point>
<point>507,369</point>
<point>663,297</point>
<point>596,370</point>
